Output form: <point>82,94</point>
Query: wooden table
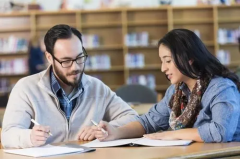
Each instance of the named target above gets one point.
<point>195,150</point>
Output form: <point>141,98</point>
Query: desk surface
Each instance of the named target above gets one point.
<point>200,150</point>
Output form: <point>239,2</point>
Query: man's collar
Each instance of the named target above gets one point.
<point>54,83</point>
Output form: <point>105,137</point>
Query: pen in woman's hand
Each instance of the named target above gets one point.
<point>104,131</point>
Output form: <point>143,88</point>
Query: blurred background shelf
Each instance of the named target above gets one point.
<point>147,23</point>
<point>229,44</point>
<point>147,67</point>
<point>112,69</point>
<point>13,53</point>
<point>192,21</point>
<point>113,25</point>
<point>99,25</point>
<point>20,29</point>
<point>229,20</point>
<point>13,75</point>
<point>109,47</point>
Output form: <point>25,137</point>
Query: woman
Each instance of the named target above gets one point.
<point>202,104</point>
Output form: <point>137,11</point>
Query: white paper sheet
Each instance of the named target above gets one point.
<point>149,142</point>
<point>137,141</point>
<point>47,150</point>
<point>97,143</point>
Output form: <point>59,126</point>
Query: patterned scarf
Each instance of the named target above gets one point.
<point>184,113</point>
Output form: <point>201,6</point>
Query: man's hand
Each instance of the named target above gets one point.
<point>39,135</point>
<point>87,133</point>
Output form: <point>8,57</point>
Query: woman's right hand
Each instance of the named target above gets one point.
<point>111,132</point>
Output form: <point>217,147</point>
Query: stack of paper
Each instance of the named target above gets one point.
<point>43,151</point>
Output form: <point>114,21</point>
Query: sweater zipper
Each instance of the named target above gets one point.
<point>60,110</point>
<point>63,114</point>
<point>74,110</point>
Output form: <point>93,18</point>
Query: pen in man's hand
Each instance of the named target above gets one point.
<point>104,131</point>
<point>39,124</point>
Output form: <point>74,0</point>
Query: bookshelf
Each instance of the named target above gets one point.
<point>15,29</point>
<point>228,19</point>
<point>112,25</point>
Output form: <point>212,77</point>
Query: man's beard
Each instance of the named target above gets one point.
<point>60,75</point>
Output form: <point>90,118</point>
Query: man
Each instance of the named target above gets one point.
<point>61,97</point>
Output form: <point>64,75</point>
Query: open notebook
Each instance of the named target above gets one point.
<point>138,141</point>
<point>49,150</point>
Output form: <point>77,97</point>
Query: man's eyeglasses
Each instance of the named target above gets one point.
<point>68,63</point>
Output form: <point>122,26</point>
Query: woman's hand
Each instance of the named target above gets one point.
<point>111,132</point>
<point>182,134</point>
<point>166,135</point>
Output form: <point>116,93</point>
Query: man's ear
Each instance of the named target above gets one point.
<point>49,57</point>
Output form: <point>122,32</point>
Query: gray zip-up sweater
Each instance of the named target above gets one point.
<point>32,97</point>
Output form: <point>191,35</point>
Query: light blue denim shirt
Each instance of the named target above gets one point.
<point>218,120</point>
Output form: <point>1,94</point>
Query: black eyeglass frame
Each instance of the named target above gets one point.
<point>74,60</point>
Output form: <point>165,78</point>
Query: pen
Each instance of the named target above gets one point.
<point>105,132</point>
<point>39,124</point>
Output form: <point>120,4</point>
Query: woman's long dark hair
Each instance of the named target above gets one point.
<point>185,46</point>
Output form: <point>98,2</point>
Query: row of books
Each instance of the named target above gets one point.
<point>15,66</point>
<point>90,41</point>
<point>98,62</point>
<point>224,57</point>
<point>99,4</point>
<point>134,60</point>
<point>4,85</point>
<point>137,39</point>
<point>131,39</point>
<point>228,35</point>
<point>148,80</point>
<point>13,44</point>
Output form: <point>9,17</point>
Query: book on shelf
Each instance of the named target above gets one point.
<point>228,36</point>
<point>4,85</point>
<point>137,39</point>
<point>96,62</point>
<point>146,80</point>
<point>15,66</point>
<point>134,60</point>
<point>13,44</point>
<point>224,57</point>
<point>90,41</point>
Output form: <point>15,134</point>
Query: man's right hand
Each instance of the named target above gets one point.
<point>39,135</point>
